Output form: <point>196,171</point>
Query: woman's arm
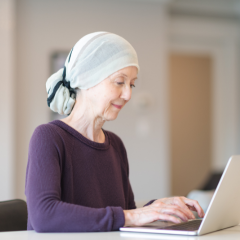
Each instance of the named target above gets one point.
<point>46,211</point>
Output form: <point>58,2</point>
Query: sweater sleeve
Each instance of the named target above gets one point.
<point>150,202</point>
<point>43,191</point>
<point>131,202</point>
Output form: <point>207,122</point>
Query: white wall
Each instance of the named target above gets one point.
<point>220,39</point>
<point>48,25</point>
<point>7,99</point>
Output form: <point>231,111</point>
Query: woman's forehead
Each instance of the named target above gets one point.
<point>128,72</point>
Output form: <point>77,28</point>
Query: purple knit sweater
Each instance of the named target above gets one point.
<point>74,184</point>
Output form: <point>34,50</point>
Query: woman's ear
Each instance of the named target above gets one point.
<point>77,92</point>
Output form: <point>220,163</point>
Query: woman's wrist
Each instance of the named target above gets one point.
<point>128,217</point>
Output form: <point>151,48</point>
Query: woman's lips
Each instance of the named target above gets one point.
<point>117,106</point>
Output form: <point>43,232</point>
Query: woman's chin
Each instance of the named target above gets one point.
<point>111,117</point>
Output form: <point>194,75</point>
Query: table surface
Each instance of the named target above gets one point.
<point>229,233</point>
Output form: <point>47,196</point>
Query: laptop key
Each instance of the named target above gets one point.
<point>186,226</point>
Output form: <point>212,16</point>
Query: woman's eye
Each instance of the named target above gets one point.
<point>120,83</point>
<point>132,85</point>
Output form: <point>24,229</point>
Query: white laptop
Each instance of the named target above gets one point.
<point>223,210</point>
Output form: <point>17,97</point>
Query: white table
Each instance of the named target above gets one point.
<point>226,234</point>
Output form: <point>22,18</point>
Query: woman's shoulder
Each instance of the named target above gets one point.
<point>46,129</point>
<point>114,138</point>
<point>48,132</point>
<point>116,141</point>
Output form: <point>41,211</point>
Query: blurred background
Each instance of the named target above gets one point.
<point>182,123</point>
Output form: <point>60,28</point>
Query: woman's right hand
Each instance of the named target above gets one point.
<point>158,210</point>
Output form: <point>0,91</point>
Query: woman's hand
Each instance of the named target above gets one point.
<point>167,209</point>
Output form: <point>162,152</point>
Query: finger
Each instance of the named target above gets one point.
<point>192,208</point>
<point>184,214</point>
<point>195,204</point>
<point>175,211</point>
<point>182,208</point>
<point>166,217</point>
<point>179,202</point>
<point>185,211</point>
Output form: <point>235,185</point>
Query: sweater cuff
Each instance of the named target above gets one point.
<point>150,202</point>
<point>118,218</point>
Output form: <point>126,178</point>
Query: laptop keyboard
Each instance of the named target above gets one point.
<point>186,226</point>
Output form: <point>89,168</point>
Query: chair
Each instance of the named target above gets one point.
<point>212,181</point>
<point>13,215</point>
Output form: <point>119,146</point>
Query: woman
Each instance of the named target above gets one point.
<point>77,173</point>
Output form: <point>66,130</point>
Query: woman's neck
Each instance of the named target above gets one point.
<point>83,119</point>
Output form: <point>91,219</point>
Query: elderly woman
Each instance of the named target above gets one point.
<point>77,175</point>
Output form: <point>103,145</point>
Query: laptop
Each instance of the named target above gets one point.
<point>223,210</point>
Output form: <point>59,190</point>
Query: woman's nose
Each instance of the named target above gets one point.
<point>127,93</point>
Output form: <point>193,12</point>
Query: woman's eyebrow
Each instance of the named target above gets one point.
<point>127,76</point>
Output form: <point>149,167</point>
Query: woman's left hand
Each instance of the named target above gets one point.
<point>184,203</point>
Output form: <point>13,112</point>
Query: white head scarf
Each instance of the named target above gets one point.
<point>93,58</point>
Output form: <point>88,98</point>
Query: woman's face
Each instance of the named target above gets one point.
<point>109,97</point>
